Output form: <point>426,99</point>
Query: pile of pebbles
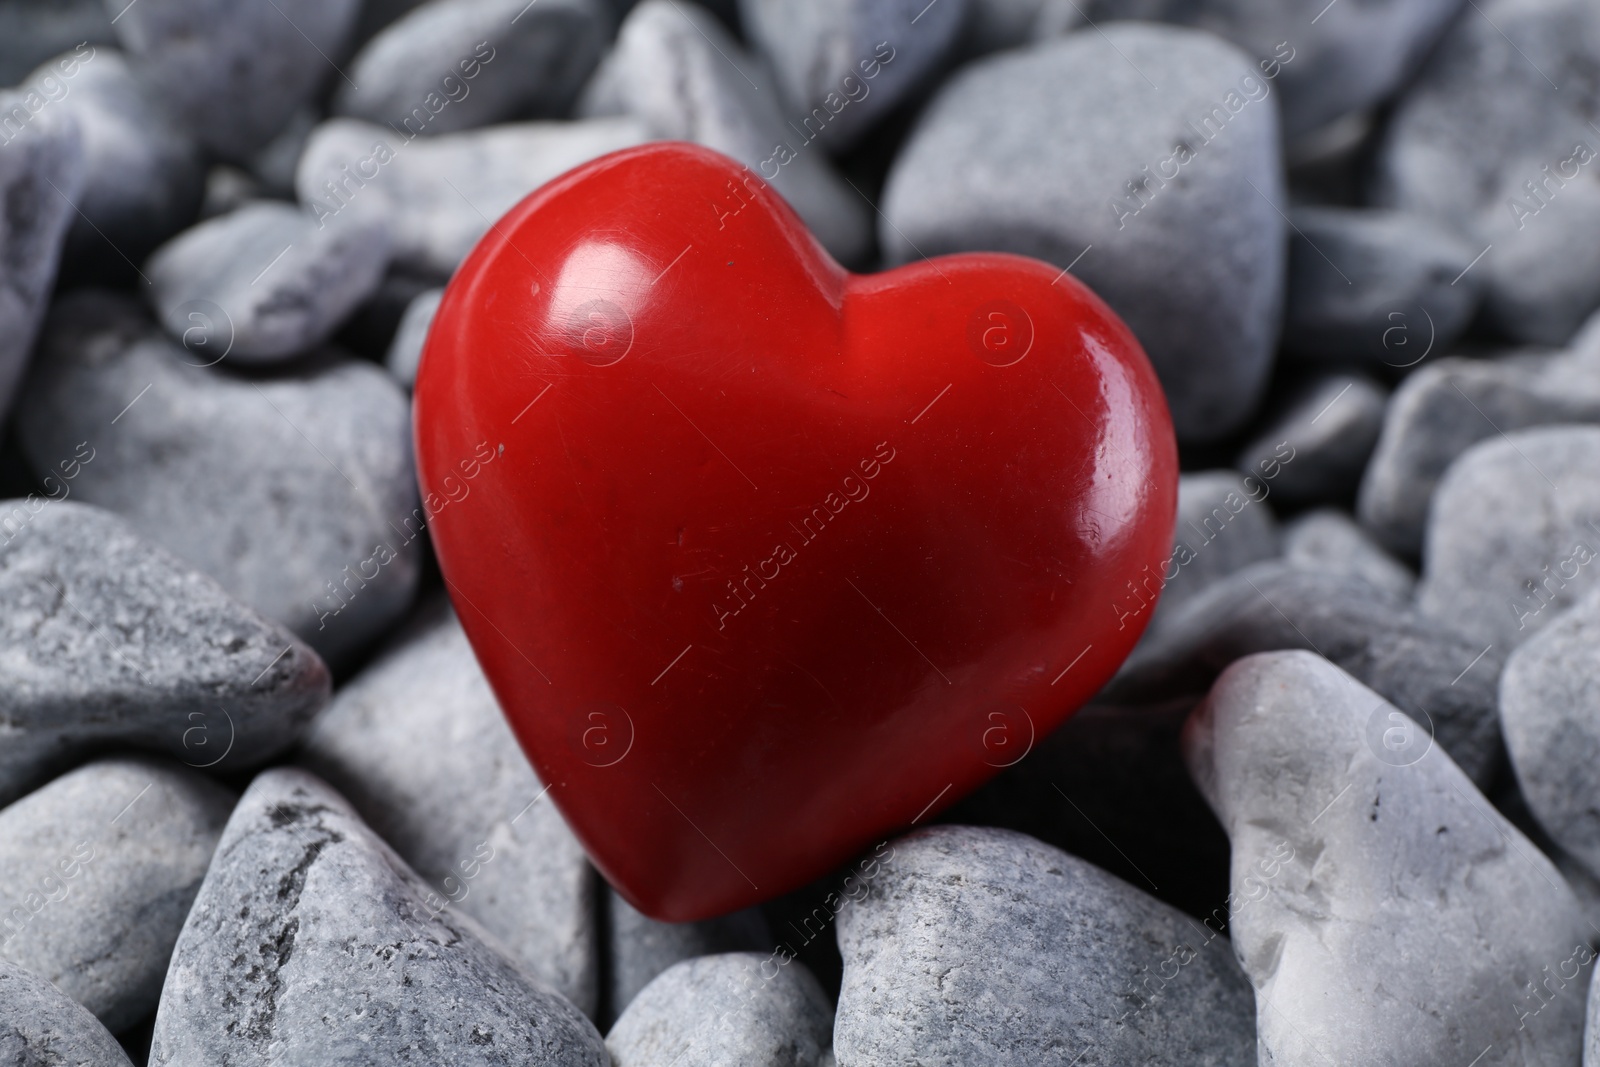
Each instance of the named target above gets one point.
<point>1341,806</point>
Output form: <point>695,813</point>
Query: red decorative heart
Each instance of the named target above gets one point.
<point>763,559</point>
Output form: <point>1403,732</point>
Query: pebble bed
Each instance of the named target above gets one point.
<point>1340,807</point>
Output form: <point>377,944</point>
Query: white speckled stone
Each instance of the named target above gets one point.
<point>1387,914</point>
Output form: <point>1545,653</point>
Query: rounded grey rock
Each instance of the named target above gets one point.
<point>109,641</point>
<point>842,65</point>
<point>1549,696</point>
<point>1109,786</point>
<point>1223,523</point>
<point>1493,138</point>
<point>40,1026</point>
<point>985,947</point>
<point>274,165</point>
<point>1333,61</point>
<point>680,73</point>
<point>227,190</point>
<point>375,16</point>
<point>1512,535</point>
<point>473,820</point>
<point>282,280</point>
<point>312,942</point>
<point>143,172</point>
<point>726,1009</point>
<point>1384,911</point>
<point>297,494</point>
<point>1331,424</point>
<point>993,25</point>
<point>1381,288</point>
<point>101,866</point>
<point>450,65</point>
<point>41,172</point>
<point>1069,153</point>
<point>641,948</point>
<point>1329,541</point>
<point>405,351</point>
<point>32,31</point>
<point>234,71</point>
<point>1442,410</point>
<point>1438,676</point>
<point>439,195</point>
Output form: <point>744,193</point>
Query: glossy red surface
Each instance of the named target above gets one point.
<point>765,560</point>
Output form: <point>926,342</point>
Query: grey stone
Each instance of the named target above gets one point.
<point>450,65</point>
<point>1488,141</point>
<point>472,819</point>
<point>235,71</point>
<point>405,351</point>
<point>1353,57</point>
<point>375,15</point>
<point>1223,523</point>
<point>275,164</point>
<point>101,866</point>
<point>1330,542</point>
<point>1067,152</point>
<point>109,641</point>
<point>1438,676</point>
<point>680,73</point>
<point>726,1009</point>
<point>1385,912</point>
<point>1383,288</point>
<point>993,25</point>
<point>1548,701</point>
<point>41,172</point>
<point>283,281</point>
<point>296,494</point>
<point>821,53</point>
<point>1330,423</point>
<point>312,942</point>
<point>439,195</point>
<point>1591,1028</point>
<point>1109,786</point>
<point>980,946</point>
<point>227,190</point>
<point>1442,410</point>
<point>31,31</point>
<point>1584,885</point>
<point>143,172</point>
<point>40,1026</point>
<point>641,948</point>
<point>1512,535</point>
